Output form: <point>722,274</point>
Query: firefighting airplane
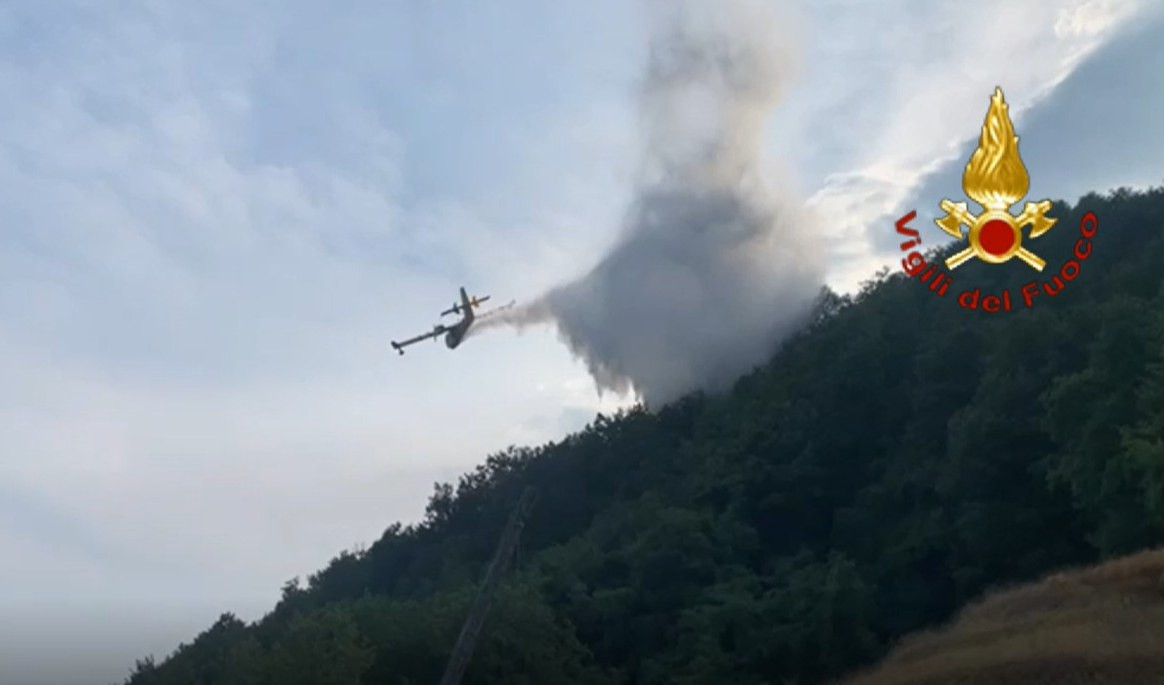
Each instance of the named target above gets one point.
<point>454,334</point>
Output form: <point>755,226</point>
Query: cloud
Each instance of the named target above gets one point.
<point>904,98</point>
<point>1098,130</point>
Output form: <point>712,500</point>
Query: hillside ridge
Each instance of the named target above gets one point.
<point>896,458</point>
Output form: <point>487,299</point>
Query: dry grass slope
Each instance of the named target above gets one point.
<point>1098,626</point>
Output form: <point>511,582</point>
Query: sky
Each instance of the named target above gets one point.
<point>214,216</point>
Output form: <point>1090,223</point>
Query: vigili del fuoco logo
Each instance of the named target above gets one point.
<point>997,180</point>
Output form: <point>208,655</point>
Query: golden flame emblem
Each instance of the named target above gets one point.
<point>996,179</point>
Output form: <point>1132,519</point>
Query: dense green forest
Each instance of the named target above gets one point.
<point>894,460</point>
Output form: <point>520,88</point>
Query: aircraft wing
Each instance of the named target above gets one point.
<point>399,346</point>
<point>466,305</point>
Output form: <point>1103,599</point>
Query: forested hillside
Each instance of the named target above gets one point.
<point>892,462</point>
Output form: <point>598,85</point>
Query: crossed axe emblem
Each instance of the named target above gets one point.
<point>996,235</point>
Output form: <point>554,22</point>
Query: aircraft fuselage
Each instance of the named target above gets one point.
<point>456,334</point>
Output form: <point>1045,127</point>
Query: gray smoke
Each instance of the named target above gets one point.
<point>712,268</point>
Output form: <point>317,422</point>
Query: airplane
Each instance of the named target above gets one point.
<point>453,334</point>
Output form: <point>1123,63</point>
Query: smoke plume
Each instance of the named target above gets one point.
<point>712,268</point>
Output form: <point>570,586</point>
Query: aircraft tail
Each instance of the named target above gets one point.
<point>467,306</point>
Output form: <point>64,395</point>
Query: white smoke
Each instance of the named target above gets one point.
<point>712,268</point>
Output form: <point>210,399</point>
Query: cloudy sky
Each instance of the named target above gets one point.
<point>214,216</point>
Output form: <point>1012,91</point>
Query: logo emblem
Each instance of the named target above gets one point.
<point>996,179</point>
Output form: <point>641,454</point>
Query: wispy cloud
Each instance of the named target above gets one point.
<point>903,97</point>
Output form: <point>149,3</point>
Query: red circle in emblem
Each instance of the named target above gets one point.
<point>996,237</point>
